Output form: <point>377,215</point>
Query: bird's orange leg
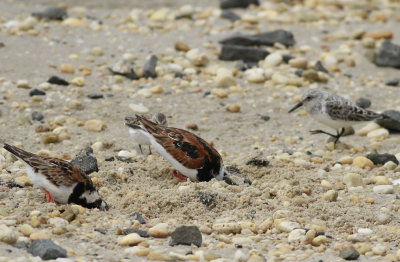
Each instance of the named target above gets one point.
<point>48,197</point>
<point>178,175</point>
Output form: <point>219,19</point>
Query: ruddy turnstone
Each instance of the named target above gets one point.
<point>189,154</point>
<point>333,111</point>
<point>62,182</point>
<point>138,136</point>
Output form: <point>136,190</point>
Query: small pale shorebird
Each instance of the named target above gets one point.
<point>138,136</point>
<point>62,182</point>
<point>189,154</point>
<point>334,111</point>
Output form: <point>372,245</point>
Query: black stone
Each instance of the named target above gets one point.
<point>393,82</point>
<point>137,216</point>
<point>298,72</point>
<point>125,159</point>
<point>265,117</point>
<point>206,198</point>
<point>287,58</point>
<point>349,253</point>
<point>52,13</point>
<point>363,102</point>
<point>179,75</point>
<point>319,67</point>
<point>247,54</point>
<point>46,249</point>
<point>149,69</point>
<point>21,245</point>
<point>289,151</point>
<point>230,15</point>
<point>381,159</point>
<point>95,96</point>
<point>55,80</point>
<point>37,92</point>
<point>391,120</point>
<point>142,233</point>
<point>37,116</point>
<point>109,159</point>
<point>388,55</point>
<point>225,4</point>
<point>101,230</point>
<point>257,162</point>
<point>267,38</point>
<point>86,161</point>
<point>130,75</point>
<point>13,184</point>
<point>186,235</point>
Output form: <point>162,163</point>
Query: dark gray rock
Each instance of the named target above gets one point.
<point>349,253</point>
<point>230,15</point>
<point>52,13</point>
<point>86,161</point>
<point>320,67</point>
<point>37,116</point>
<point>46,249</point>
<point>186,235</point>
<point>101,230</point>
<point>247,54</point>
<point>142,233</point>
<point>137,216</point>
<point>391,120</point>
<point>37,92</point>
<point>388,55</point>
<point>206,198</point>
<point>265,117</point>
<point>393,82</point>
<point>55,80</point>
<point>225,4</point>
<point>363,102</point>
<point>257,162</point>
<point>149,69</point>
<point>381,159</point>
<point>267,38</point>
<point>95,96</point>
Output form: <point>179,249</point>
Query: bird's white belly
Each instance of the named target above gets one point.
<point>335,124</point>
<point>59,194</point>
<point>139,137</point>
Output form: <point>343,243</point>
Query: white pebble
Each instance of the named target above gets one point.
<point>139,108</point>
<point>384,189</point>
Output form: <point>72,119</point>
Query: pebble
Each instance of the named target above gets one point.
<point>368,128</point>
<point>380,133</point>
<point>145,92</point>
<point>139,217</point>
<point>349,253</point>
<point>219,92</point>
<point>197,58</point>
<point>23,84</point>
<point>26,230</point>
<point>139,108</point>
<point>37,116</point>
<point>22,181</point>
<point>352,180</point>
<point>52,13</point>
<point>383,218</point>
<point>300,63</point>
<point>226,4</point>
<point>363,102</point>
<point>180,46</point>
<point>39,235</point>
<point>285,226</point>
<point>132,239</point>
<point>192,126</point>
<point>67,68</point>
<point>227,228</point>
<point>159,15</point>
<point>159,230</point>
<point>74,22</point>
<point>49,138</point>
<point>186,235</point>
<point>78,81</point>
<point>255,75</point>
<point>95,125</point>
<point>266,224</point>
<point>7,235</point>
<point>381,159</point>
<point>392,120</point>
<point>381,180</point>
<point>319,240</point>
<point>158,89</point>
<point>388,55</point>
<point>326,184</point>
<point>378,35</point>
<point>383,189</point>
<point>149,68</point>
<point>331,195</point>
<point>86,161</point>
<point>273,60</point>
<point>297,235</point>
<point>224,78</point>
<point>368,42</point>
<point>362,162</point>
<point>235,108</point>
<point>390,165</point>
<point>247,54</point>
<point>379,249</point>
<point>46,249</point>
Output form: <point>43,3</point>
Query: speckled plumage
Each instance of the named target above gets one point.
<point>65,182</point>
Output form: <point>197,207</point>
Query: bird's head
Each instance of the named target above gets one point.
<point>308,99</point>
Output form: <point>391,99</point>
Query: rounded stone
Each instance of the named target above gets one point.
<point>363,162</point>
<point>131,240</point>
<point>159,230</point>
<point>95,125</point>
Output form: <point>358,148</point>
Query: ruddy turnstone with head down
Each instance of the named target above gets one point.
<point>334,111</point>
<point>63,182</point>
<point>138,136</point>
<point>189,154</point>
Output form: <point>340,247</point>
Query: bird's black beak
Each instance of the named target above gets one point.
<point>296,106</point>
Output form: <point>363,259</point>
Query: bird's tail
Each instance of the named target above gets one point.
<point>18,152</point>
